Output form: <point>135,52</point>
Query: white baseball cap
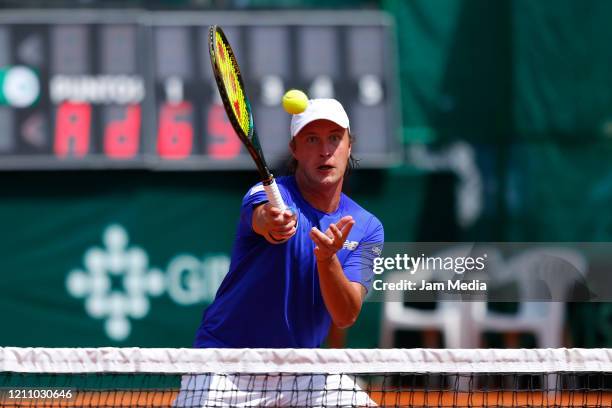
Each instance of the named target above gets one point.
<point>329,109</point>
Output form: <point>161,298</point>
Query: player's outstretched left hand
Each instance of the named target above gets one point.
<point>330,242</point>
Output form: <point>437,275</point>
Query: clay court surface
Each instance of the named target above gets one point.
<point>386,399</point>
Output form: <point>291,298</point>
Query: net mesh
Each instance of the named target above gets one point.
<point>229,74</point>
<point>305,378</point>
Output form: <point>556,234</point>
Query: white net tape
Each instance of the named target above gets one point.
<point>164,360</point>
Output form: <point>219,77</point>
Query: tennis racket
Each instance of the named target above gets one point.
<point>238,109</point>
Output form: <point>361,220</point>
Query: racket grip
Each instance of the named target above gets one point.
<point>274,195</point>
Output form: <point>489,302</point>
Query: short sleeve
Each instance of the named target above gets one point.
<point>254,197</point>
<point>359,265</point>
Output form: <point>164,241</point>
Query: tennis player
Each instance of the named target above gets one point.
<point>294,272</point>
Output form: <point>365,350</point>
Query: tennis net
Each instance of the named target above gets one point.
<point>134,377</point>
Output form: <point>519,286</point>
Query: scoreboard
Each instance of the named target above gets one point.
<point>117,89</point>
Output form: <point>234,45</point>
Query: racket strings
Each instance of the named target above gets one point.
<point>234,91</point>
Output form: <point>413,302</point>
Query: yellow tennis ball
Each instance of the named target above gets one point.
<point>295,101</point>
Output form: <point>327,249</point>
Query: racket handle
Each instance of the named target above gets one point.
<point>274,195</point>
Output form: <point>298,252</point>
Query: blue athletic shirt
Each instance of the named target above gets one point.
<point>271,297</point>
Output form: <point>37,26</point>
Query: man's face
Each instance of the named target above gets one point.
<point>322,149</point>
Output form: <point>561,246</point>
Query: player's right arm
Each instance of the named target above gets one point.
<point>274,225</point>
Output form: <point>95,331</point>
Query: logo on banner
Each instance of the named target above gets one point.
<point>117,281</point>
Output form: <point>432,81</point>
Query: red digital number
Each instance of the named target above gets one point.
<point>122,137</point>
<point>175,133</point>
<point>72,129</point>
<point>223,142</point>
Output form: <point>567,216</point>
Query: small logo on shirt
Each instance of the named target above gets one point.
<point>377,250</point>
<point>350,245</point>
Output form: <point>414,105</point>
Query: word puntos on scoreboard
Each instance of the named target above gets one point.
<point>119,90</point>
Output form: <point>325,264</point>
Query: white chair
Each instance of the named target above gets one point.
<point>558,268</point>
<point>398,316</point>
<point>451,316</point>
